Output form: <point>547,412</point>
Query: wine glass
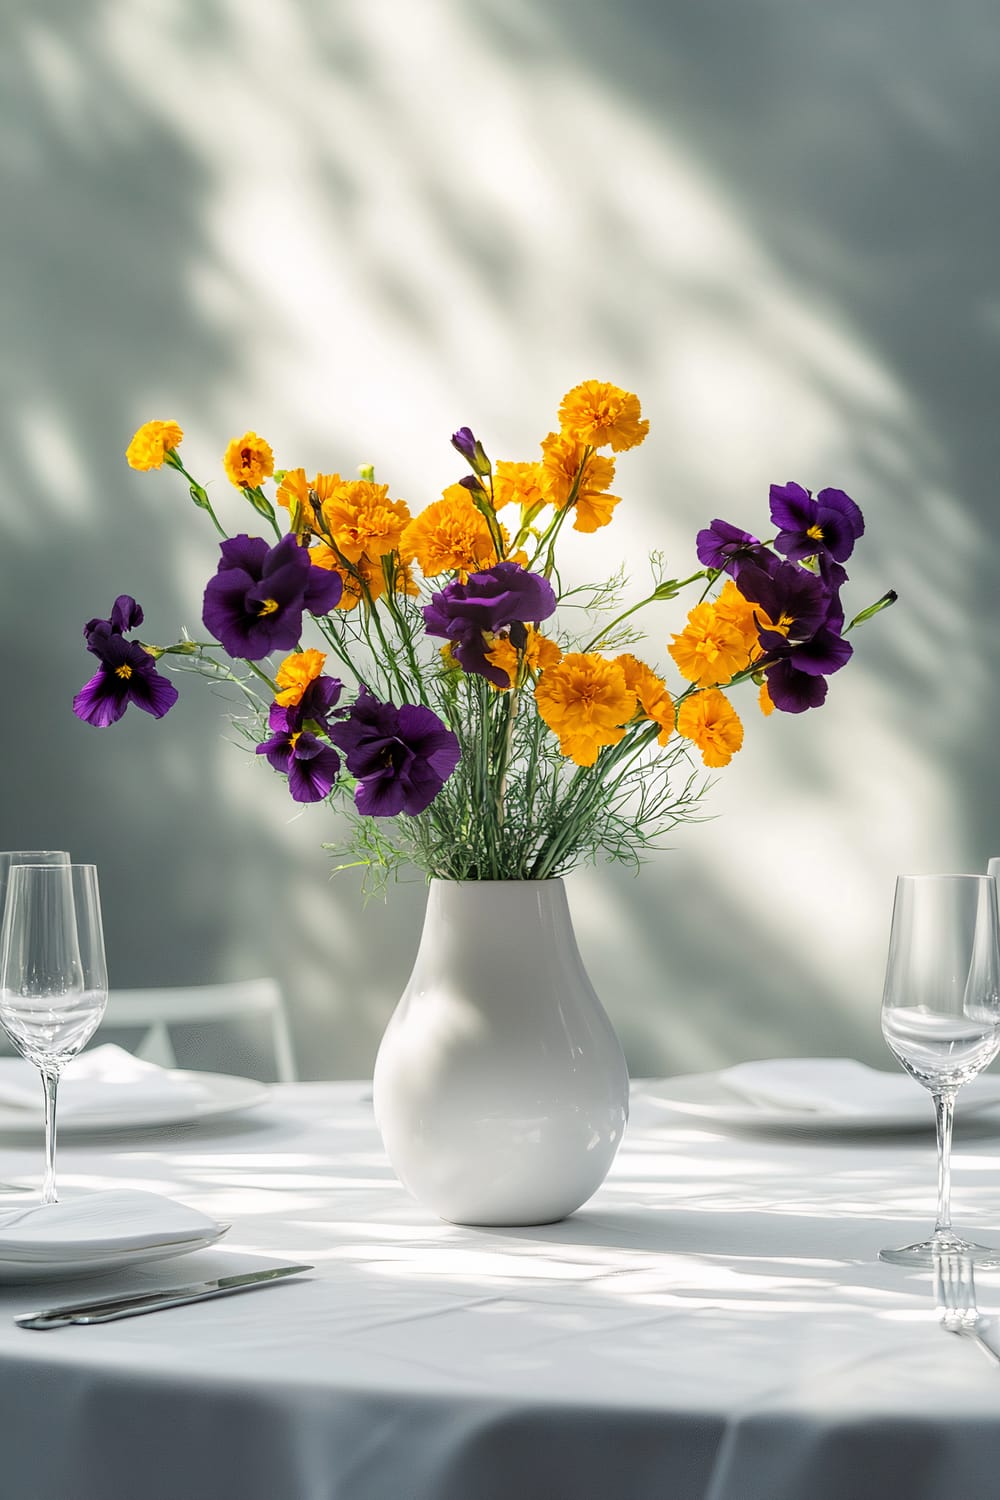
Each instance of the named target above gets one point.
<point>941,1015</point>
<point>53,975</point>
<point>9,857</point>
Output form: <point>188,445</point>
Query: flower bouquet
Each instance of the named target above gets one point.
<point>473,713</point>
<point>495,725</point>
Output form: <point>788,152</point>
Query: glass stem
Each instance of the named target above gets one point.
<point>50,1082</point>
<point>944,1111</point>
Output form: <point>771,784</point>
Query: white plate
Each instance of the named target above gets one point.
<point>97,1263</point>
<point>221,1094</point>
<point>703,1096</point>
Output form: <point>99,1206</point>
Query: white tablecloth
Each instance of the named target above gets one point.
<point>714,1324</point>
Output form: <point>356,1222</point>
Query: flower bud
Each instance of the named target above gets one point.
<point>471,449</point>
<point>259,501</point>
<point>874,609</point>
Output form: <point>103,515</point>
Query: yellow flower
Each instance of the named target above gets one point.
<point>248,461</point>
<point>151,444</point>
<point>363,522</point>
<point>651,691</point>
<point>562,457</point>
<point>734,610</point>
<point>709,649</point>
<point>449,535</point>
<point>600,414</point>
<point>516,484</point>
<point>710,720</point>
<point>539,652</point>
<point>293,493</point>
<point>765,700</point>
<point>295,674</point>
<point>585,700</point>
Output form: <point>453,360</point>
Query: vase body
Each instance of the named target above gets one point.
<point>500,1088</point>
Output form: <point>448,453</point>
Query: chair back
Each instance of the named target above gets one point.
<point>156,1010</point>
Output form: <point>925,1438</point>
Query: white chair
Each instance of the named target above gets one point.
<point>193,1005</point>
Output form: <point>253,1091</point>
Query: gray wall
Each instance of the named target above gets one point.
<point>356,226</point>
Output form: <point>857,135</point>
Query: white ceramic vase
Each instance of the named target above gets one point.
<point>500,1090</point>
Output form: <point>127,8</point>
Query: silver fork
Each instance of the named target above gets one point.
<point>955,1294</point>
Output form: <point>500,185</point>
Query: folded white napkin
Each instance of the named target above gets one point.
<point>95,1224</point>
<point>105,1079</point>
<point>831,1085</point>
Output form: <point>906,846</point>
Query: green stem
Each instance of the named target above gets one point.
<point>548,537</point>
<point>258,672</point>
<point>198,492</point>
<point>652,598</point>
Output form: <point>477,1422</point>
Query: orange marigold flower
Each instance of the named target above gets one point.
<point>295,674</point>
<point>651,691</point>
<point>562,457</point>
<point>740,614</point>
<point>539,651</point>
<point>765,700</point>
<point>293,491</point>
<point>585,700</point>
<point>363,522</point>
<point>248,461</point>
<point>449,535</point>
<point>151,444</point>
<point>709,719</point>
<point>516,484</point>
<point>600,414</point>
<point>709,649</point>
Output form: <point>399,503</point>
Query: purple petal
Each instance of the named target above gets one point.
<point>149,690</point>
<point>323,592</point>
<point>246,552</point>
<point>278,750</point>
<point>125,614</point>
<point>100,701</point>
<point>380,797</point>
<point>311,780</point>
<point>825,653</point>
<point>792,507</point>
<point>793,692</point>
<point>718,544</point>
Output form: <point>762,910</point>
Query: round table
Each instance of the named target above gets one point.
<point>713,1324</point>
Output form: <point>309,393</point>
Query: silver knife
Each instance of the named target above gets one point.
<point>111,1308</point>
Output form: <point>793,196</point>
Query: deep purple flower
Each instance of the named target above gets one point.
<point>471,449</point>
<point>830,524</point>
<point>311,766</point>
<point>254,603</point>
<point>402,757</point>
<point>788,595</point>
<point>808,647</point>
<point>127,673</point>
<point>505,594</point>
<point>724,547</point>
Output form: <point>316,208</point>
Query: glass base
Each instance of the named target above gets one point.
<point>926,1252</point>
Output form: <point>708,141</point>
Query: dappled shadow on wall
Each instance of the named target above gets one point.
<point>290,218</point>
